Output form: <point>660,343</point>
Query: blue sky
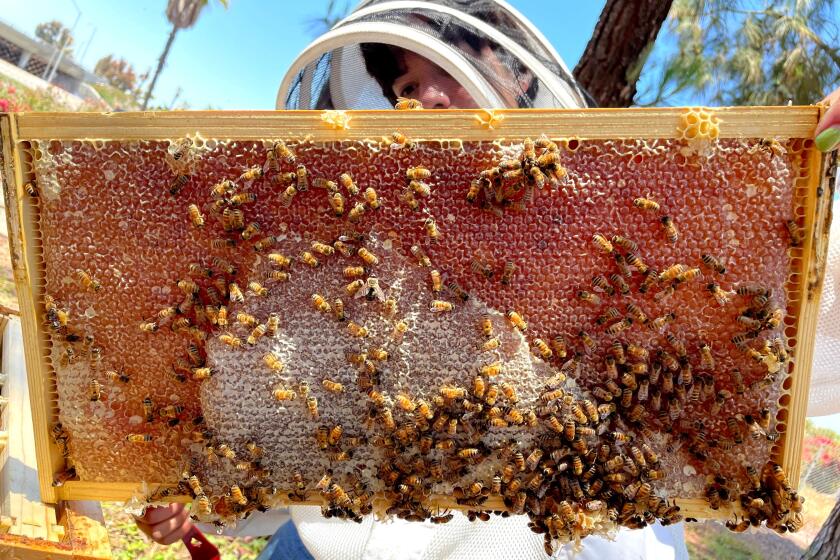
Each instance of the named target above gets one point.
<point>235,58</point>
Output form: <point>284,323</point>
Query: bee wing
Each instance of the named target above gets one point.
<point>377,292</point>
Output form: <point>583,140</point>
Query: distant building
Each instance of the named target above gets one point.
<point>33,56</point>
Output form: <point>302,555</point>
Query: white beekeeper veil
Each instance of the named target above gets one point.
<point>349,67</point>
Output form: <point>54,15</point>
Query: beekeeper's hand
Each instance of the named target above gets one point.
<point>828,129</point>
<point>165,524</point>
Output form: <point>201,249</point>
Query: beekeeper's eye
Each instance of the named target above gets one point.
<point>407,90</point>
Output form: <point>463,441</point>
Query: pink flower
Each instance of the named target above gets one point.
<point>4,105</point>
<point>11,89</point>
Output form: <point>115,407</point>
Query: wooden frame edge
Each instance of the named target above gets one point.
<point>735,122</point>
<point>47,456</point>
<point>818,216</point>
<point>124,491</point>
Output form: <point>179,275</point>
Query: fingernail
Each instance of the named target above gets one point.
<point>828,139</point>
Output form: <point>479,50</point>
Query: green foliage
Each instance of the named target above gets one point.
<point>128,543</point>
<point>117,72</point>
<point>744,52</point>
<point>117,99</point>
<point>54,33</point>
<point>14,96</point>
<point>724,545</point>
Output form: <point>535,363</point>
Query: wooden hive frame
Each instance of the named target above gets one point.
<point>808,262</point>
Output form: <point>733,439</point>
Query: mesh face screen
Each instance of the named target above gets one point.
<point>576,330</point>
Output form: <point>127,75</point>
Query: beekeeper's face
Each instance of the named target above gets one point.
<point>436,89</point>
<point>430,84</point>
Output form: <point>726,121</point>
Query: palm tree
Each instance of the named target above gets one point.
<point>182,14</point>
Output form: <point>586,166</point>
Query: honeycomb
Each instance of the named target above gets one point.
<point>576,330</point>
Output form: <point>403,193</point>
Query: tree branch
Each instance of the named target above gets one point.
<point>625,30</point>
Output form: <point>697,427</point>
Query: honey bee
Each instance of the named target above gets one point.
<point>545,351</point>
<point>288,196</point>
<point>196,217</point>
<point>437,283</point>
<point>399,331</point>
<point>721,296</point>
<point>251,174</point>
<point>516,321</point>
<point>246,319</point>
<point>432,229</point>
<point>420,188</point>
<point>336,200</point>
<point>775,318</point>
<point>670,229</point>
<point>663,294</point>
<point>356,212</point>
<point>406,104</point>
<point>633,260</point>
<point>559,346</point>
<point>31,189</point>
<point>357,330</point>
<point>537,177</point>
<point>87,281</point>
<point>749,322</point>
<point>636,313</point>
<point>243,198</point>
<point>257,333</point>
<point>138,438</point>
<point>221,189</point>
<point>687,275</point>
<point>407,197</point>
<point>372,290</point>
<point>588,341</point>
<point>458,291</point>
<point>589,297</point>
<point>399,139</point>
<point>257,289</point>
<point>285,394</point>
<point>94,390</point>
<point>222,317</point>
<point>651,277</point>
<point>440,306</point>
<point>369,258</point>
<point>602,243</point>
<point>481,266</point>
<point>646,204</point>
<point>474,190</point>
<point>418,173</point>
<point>486,326</point>
<point>320,303</point>
<point>707,361</point>
<point>273,362</point>
<point>201,373</point>
<point>620,283</point>
<point>178,184</point>
<point>235,294</point>
<point>619,326</point>
<point>371,198</point>
<point>230,340</point>
<point>795,233</point>
<point>602,284</point>
<point>309,259</point>
<point>491,370</point>
<point>282,152</point>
